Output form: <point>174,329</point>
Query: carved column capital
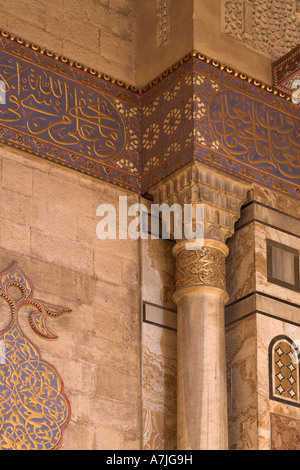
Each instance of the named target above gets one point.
<point>222,197</point>
<point>201,269</point>
<point>200,297</point>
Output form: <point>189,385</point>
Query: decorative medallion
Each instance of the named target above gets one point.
<point>34,409</point>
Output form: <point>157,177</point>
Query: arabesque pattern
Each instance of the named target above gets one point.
<point>34,409</point>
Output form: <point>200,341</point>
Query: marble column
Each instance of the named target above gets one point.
<point>201,297</point>
<point>201,388</point>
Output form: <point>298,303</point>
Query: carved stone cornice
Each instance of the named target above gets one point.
<point>222,197</point>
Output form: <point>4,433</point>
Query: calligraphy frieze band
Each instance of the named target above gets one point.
<point>199,110</point>
<point>223,120</point>
<point>254,133</point>
<point>66,115</point>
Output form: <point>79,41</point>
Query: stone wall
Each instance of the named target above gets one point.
<point>212,41</point>
<point>101,34</point>
<point>135,41</point>
<point>48,225</point>
<point>165,35</point>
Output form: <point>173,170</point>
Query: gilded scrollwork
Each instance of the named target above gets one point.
<point>249,130</point>
<point>201,267</point>
<point>34,409</point>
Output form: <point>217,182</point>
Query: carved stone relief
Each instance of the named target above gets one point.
<point>163,22</point>
<point>269,26</point>
<point>205,267</point>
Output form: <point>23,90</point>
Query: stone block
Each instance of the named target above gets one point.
<point>107,438</point>
<point>15,207</point>
<point>17,177</point>
<point>15,237</point>
<point>29,11</point>
<point>109,324</point>
<point>107,267</point>
<point>62,223</point>
<point>61,251</point>
<point>123,52</point>
<point>106,384</point>
<point>76,30</point>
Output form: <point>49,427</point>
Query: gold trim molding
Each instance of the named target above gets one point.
<point>141,90</point>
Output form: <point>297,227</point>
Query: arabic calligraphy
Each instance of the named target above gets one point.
<point>255,133</point>
<point>60,111</point>
<point>33,407</point>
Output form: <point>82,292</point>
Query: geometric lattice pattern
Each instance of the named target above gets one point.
<point>33,407</point>
<point>284,380</point>
<point>286,71</point>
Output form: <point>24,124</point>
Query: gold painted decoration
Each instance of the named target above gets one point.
<point>59,111</point>
<point>201,267</point>
<point>197,110</point>
<point>258,134</point>
<point>34,409</point>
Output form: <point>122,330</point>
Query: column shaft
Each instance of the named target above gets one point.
<point>202,395</point>
<point>201,387</point>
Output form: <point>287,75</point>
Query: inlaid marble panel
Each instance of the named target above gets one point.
<point>159,388</point>
<point>242,385</point>
<point>285,433</point>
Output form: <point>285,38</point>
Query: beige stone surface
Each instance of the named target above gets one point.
<point>159,346</point>
<point>154,59</point>
<point>99,34</point>
<point>267,329</point>
<point>124,38</point>
<point>240,264</point>
<point>265,311</point>
<point>262,233</point>
<point>212,41</point>
<point>42,227</point>
<point>201,392</point>
<point>274,199</point>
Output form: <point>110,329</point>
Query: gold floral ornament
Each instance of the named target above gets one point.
<point>33,407</point>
